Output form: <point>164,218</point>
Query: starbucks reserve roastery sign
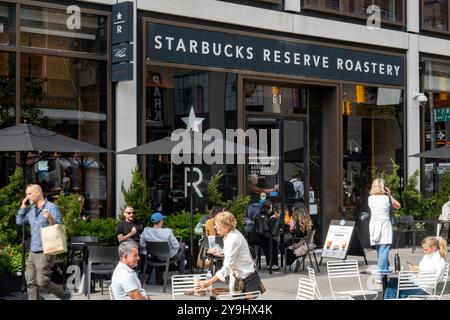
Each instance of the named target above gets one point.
<point>193,46</point>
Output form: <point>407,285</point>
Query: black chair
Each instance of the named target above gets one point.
<point>407,227</point>
<point>215,260</point>
<point>158,255</point>
<point>101,261</point>
<point>78,244</point>
<point>311,247</point>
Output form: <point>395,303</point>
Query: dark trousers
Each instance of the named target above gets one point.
<point>265,244</point>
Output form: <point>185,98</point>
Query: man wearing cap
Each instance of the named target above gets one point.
<point>159,234</point>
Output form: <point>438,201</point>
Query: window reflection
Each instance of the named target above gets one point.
<point>68,96</point>
<point>170,94</point>
<point>435,14</point>
<point>7,24</point>
<point>437,121</point>
<point>47,28</point>
<point>372,128</point>
<point>391,10</point>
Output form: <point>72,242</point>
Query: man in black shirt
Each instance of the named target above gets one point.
<point>129,228</point>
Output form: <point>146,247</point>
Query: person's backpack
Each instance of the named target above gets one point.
<point>252,211</point>
<point>262,224</point>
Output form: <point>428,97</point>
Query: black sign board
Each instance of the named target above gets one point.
<point>122,53</point>
<point>122,72</point>
<point>226,50</point>
<point>122,21</point>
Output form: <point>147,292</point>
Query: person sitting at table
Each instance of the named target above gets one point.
<point>238,262</point>
<point>435,249</point>
<point>255,190</point>
<point>159,234</point>
<point>130,228</point>
<point>125,284</point>
<point>299,224</point>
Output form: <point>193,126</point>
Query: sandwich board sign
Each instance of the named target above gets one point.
<point>342,240</point>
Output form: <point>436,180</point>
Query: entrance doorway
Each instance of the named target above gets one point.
<point>303,115</point>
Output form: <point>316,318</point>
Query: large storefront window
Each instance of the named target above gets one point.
<point>7,108</point>
<point>437,121</point>
<point>47,28</point>
<point>7,24</point>
<point>435,14</point>
<point>372,132</point>
<point>69,96</point>
<point>170,94</point>
<point>391,10</point>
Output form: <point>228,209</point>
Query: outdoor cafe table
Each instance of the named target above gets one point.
<point>385,275</point>
<point>202,295</point>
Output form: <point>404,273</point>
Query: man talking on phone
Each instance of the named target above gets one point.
<point>39,213</point>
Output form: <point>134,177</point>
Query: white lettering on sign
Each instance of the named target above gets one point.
<point>192,183</point>
<point>74,21</point>
<point>286,57</point>
<point>374,20</point>
<point>121,53</point>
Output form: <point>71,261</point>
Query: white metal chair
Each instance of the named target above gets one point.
<point>412,280</point>
<point>346,270</point>
<point>337,298</point>
<point>312,277</point>
<point>252,295</point>
<point>305,289</point>
<point>183,283</point>
<point>111,296</point>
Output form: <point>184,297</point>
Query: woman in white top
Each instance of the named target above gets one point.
<point>238,262</point>
<point>435,254</point>
<point>380,227</point>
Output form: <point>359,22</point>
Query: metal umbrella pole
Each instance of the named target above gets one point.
<point>191,133</point>
<point>23,284</point>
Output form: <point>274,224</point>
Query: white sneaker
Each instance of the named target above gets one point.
<point>378,281</point>
<point>275,267</point>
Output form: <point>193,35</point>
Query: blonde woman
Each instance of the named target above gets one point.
<point>435,254</point>
<point>238,262</point>
<point>380,227</point>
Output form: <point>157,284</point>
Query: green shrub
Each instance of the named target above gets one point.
<point>180,223</point>
<point>238,207</point>
<point>70,211</point>
<point>137,196</point>
<point>103,229</point>
<point>11,259</point>
<point>10,199</point>
<point>212,190</point>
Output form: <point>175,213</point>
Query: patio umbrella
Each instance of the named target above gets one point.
<point>25,137</point>
<point>439,153</point>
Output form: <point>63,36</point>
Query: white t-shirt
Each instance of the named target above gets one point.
<point>380,226</point>
<point>433,261</point>
<point>445,213</point>
<point>124,280</point>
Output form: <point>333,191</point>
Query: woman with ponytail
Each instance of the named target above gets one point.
<point>435,254</point>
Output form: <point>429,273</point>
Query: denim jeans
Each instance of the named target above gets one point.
<point>391,291</point>
<point>383,256</point>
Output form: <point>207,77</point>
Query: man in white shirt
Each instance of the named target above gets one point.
<point>445,215</point>
<point>125,283</point>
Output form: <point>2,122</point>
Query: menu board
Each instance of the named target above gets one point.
<point>338,239</point>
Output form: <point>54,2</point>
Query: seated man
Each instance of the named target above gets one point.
<point>130,228</point>
<point>125,283</point>
<point>159,234</point>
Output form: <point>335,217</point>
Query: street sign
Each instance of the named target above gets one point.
<point>442,115</point>
<point>440,135</point>
<point>122,20</point>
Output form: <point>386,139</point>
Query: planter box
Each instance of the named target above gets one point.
<point>9,283</point>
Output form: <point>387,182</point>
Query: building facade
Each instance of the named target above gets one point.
<point>340,94</point>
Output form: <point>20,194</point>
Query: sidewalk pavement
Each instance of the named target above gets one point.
<point>281,286</point>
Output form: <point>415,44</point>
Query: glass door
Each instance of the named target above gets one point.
<point>282,173</point>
